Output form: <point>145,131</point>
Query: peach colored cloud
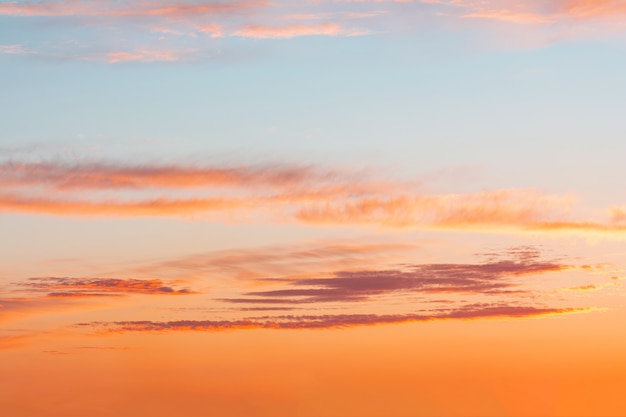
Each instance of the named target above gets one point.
<point>510,16</point>
<point>487,209</point>
<point>282,193</point>
<point>496,209</point>
<point>593,8</point>
<point>291,31</point>
<point>541,12</point>
<point>143,56</point>
<point>118,208</point>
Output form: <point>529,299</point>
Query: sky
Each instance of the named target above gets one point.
<point>312,208</point>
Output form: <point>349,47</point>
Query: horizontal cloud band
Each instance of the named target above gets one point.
<point>325,321</point>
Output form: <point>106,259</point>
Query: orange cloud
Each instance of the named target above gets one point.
<point>536,11</point>
<point>110,176</point>
<point>513,208</point>
<point>116,208</point>
<point>510,16</point>
<point>594,8</point>
<point>284,193</point>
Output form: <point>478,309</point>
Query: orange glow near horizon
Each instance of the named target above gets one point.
<point>308,208</point>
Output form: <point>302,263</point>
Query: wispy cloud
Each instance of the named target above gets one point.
<point>126,9</point>
<point>15,49</point>
<point>145,55</point>
<point>90,287</point>
<point>111,176</point>
<point>50,295</point>
<point>202,21</point>
<point>295,260</point>
<point>294,322</point>
<point>284,193</point>
<point>536,12</point>
<point>490,278</point>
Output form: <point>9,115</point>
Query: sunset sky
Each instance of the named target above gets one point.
<point>312,208</point>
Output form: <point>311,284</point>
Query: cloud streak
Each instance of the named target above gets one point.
<point>176,9</point>
<point>201,21</point>
<point>283,193</point>
<point>340,321</point>
<point>49,295</point>
<point>90,287</point>
<point>489,278</point>
<point>295,30</point>
<point>98,175</point>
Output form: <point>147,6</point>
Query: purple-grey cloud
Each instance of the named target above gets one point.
<point>469,312</point>
<point>492,277</point>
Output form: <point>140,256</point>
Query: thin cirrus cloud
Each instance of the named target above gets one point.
<point>338,321</point>
<point>109,176</point>
<point>161,23</point>
<point>304,260</point>
<point>226,18</point>
<point>116,208</point>
<point>15,49</point>
<point>282,193</point>
<point>540,12</point>
<point>144,55</point>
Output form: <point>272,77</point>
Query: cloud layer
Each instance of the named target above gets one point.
<point>282,193</point>
<point>180,30</point>
<point>98,287</point>
<point>491,278</point>
<point>340,321</point>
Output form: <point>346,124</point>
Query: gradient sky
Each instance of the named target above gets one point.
<point>312,208</point>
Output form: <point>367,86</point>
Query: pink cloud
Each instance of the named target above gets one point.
<point>121,9</point>
<point>292,31</point>
<point>14,50</point>
<point>142,56</point>
<point>285,193</point>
